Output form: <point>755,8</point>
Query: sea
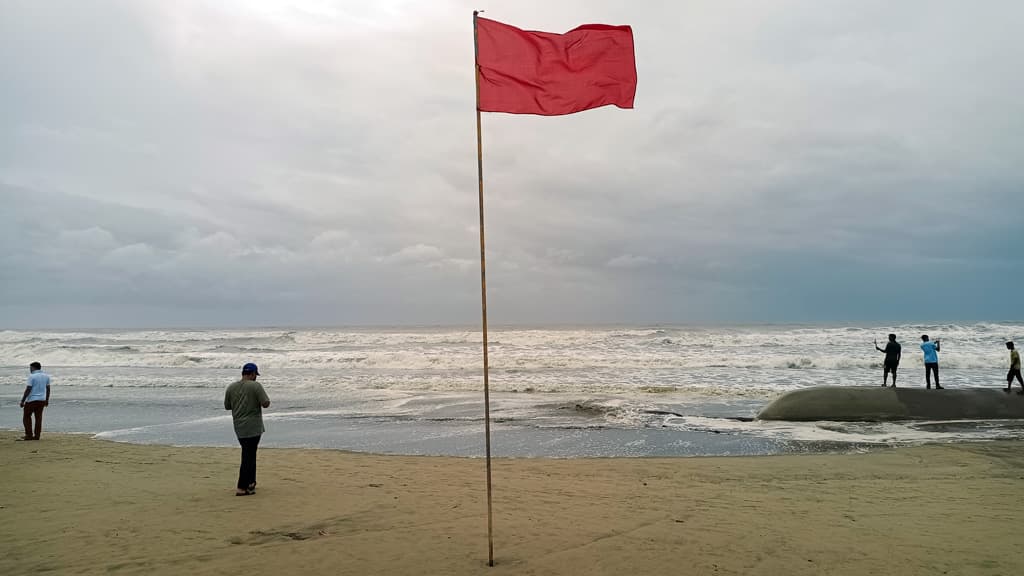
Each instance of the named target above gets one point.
<point>613,391</point>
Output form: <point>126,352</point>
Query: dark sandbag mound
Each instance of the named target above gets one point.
<point>880,404</point>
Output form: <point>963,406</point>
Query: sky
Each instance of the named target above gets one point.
<point>313,163</point>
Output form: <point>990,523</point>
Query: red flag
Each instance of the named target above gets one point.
<point>549,74</point>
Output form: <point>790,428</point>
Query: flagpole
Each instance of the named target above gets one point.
<point>483,291</point>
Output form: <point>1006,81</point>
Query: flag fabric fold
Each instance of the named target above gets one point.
<point>524,72</point>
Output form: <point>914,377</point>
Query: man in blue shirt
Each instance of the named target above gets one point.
<point>36,397</point>
<point>931,361</point>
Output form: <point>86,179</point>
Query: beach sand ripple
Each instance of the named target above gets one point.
<point>75,505</point>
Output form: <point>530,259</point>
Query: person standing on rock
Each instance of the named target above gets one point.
<point>1014,370</point>
<point>893,353</point>
<point>931,361</point>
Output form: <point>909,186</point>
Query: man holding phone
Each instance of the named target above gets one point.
<point>931,361</point>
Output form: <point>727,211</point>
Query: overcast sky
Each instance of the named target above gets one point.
<point>313,162</point>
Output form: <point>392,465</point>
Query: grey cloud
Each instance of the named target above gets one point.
<point>630,261</point>
<point>314,162</point>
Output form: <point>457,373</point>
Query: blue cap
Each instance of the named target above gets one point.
<point>250,368</point>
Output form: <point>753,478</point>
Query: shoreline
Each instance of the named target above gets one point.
<point>76,504</point>
<point>579,450</point>
<point>839,448</point>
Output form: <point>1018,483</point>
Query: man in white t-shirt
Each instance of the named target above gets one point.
<point>36,397</point>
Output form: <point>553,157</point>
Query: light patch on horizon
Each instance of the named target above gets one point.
<point>630,261</point>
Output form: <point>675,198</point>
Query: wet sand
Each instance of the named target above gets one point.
<point>75,505</point>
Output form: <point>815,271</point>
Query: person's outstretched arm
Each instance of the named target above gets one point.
<point>261,395</point>
<point>877,348</point>
<point>937,349</point>
<point>28,390</point>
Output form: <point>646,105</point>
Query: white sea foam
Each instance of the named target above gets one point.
<point>745,347</point>
<point>869,433</point>
<point>166,385</point>
<point>726,362</point>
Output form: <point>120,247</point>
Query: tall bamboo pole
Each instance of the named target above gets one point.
<point>483,291</point>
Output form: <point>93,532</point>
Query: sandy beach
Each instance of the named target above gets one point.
<point>71,504</point>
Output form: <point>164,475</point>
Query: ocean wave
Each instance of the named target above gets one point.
<point>842,350</point>
<point>864,433</point>
<point>516,362</point>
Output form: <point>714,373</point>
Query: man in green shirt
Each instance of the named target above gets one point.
<point>246,400</point>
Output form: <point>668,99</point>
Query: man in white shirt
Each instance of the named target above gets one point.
<point>36,397</point>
